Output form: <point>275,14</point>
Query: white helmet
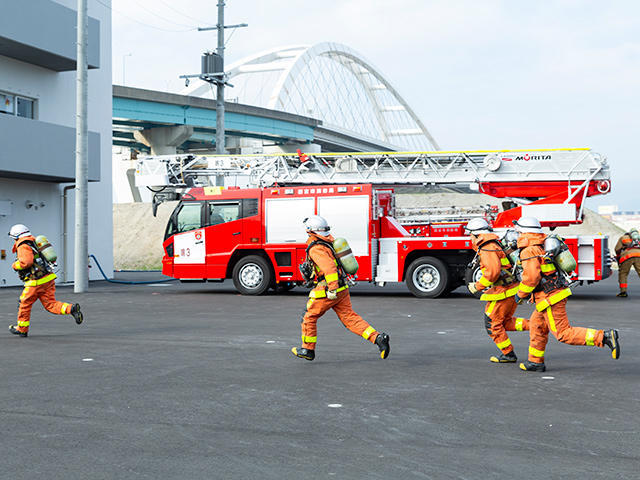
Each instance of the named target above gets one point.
<point>478,225</point>
<point>18,231</point>
<point>316,224</point>
<point>528,225</point>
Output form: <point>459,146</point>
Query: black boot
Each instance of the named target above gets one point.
<point>305,353</point>
<point>13,329</point>
<point>77,314</point>
<point>504,357</point>
<point>528,366</point>
<point>382,341</point>
<point>622,294</point>
<point>610,339</point>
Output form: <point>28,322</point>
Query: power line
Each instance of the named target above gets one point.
<point>142,23</point>
<point>169,6</point>
<point>142,6</point>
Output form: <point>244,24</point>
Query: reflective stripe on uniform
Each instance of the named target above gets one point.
<point>16,265</point>
<point>40,281</point>
<point>552,321</point>
<point>484,282</point>
<point>323,293</point>
<point>553,299</point>
<point>332,277</point>
<point>490,307</point>
<point>368,332</point>
<point>23,323</point>
<point>536,353</point>
<point>525,288</point>
<point>66,308</point>
<point>488,297</point>
<point>520,324</point>
<point>306,339</point>
<point>504,344</point>
<point>547,267</point>
<point>623,285</point>
<point>590,337</point>
<point>505,262</point>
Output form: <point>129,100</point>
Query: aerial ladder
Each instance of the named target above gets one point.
<point>549,184</point>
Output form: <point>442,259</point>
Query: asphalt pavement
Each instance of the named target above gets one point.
<point>194,381</point>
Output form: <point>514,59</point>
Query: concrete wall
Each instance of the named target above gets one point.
<point>55,94</point>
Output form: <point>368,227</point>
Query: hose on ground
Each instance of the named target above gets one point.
<point>126,282</point>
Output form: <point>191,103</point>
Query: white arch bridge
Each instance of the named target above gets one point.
<point>330,82</point>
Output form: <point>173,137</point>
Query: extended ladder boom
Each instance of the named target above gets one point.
<point>550,184</point>
<point>390,168</point>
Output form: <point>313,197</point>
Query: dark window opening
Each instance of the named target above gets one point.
<point>283,259</point>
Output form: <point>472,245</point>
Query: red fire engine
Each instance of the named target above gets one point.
<point>255,235</point>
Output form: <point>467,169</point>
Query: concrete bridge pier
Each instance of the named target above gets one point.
<point>164,140</point>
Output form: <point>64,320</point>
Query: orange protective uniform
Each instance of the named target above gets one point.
<point>550,313</point>
<point>628,256</point>
<point>37,285</point>
<point>498,313</point>
<point>328,278</point>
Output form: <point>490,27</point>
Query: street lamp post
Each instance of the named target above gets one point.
<point>123,67</point>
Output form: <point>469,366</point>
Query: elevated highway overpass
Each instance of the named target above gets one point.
<point>163,123</point>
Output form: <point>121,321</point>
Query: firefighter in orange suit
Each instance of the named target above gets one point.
<point>499,286</point>
<point>330,292</point>
<point>39,282</point>
<point>628,255</point>
<point>542,283</point>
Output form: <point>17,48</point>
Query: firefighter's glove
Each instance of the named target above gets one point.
<point>472,288</point>
<point>332,294</point>
<point>519,299</point>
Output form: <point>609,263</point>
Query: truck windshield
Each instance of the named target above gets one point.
<point>188,217</point>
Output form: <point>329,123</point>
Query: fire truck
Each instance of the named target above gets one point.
<point>254,235</point>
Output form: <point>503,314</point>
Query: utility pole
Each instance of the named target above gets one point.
<point>220,141</point>
<point>219,78</point>
<point>81,267</point>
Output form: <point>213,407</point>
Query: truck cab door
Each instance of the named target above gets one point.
<point>224,232</point>
<point>188,246</point>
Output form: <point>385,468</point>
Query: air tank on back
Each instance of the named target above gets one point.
<point>46,249</point>
<point>345,255</point>
<point>555,248</point>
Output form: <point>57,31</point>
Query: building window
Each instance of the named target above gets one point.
<point>16,105</point>
<point>24,107</point>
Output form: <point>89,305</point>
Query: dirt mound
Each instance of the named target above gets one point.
<point>138,235</point>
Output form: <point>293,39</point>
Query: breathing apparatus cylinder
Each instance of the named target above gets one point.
<point>345,256</point>
<point>509,244</point>
<point>558,251</point>
<point>46,249</point>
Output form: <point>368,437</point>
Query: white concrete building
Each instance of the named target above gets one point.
<point>37,129</point>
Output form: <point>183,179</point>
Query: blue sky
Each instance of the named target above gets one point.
<point>480,74</point>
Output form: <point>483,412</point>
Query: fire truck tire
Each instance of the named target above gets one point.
<point>252,275</point>
<point>427,277</point>
<point>472,275</point>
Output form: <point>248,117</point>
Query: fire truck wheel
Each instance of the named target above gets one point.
<point>473,275</point>
<point>252,275</point>
<point>427,277</point>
